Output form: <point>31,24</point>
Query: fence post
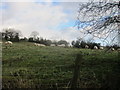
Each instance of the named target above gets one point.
<point>76,71</point>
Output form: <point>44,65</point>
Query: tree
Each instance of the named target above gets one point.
<point>48,42</point>
<point>6,35</point>
<point>100,19</point>
<point>76,43</point>
<point>41,41</point>
<point>34,34</point>
<point>63,42</point>
<point>16,38</point>
<point>30,39</point>
<point>80,43</point>
<point>73,43</point>
<point>55,42</point>
<point>24,39</point>
<point>11,34</point>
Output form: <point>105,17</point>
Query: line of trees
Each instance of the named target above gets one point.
<point>10,34</point>
<point>40,40</point>
<point>47,42</point>
<point>81,44</point>
<point>13,35</point>
<point>34,37</point>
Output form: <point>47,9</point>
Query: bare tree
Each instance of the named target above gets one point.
<point>100,19</point>
<point>34,34</point>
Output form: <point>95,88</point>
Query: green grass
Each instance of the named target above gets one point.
<point>29,66</point>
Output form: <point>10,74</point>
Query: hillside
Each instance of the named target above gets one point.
<point>29,66</point>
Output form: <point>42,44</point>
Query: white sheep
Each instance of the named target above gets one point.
<point>112,49</point>
<point>36,44</point>
<point>8,43</point>
<point>86,46</point>
<point>61,45</point>
<point>41,45</point>
<point>52,45</point>
<point>95,47</point>
<point>101,48</point>
<point>1,42</point>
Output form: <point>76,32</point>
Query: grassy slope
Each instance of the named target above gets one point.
<point>25,65</point>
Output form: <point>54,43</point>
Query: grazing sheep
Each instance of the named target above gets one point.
<point>101,48</point>
<point>8,43</point>
<point>95,47</point>
<point>61,45</point>
<point>112,49</point>
<point>36,44</point>
<point>52,45</point>
<point>1,42</point>
<point>41,45</point>
<point>86,46</point>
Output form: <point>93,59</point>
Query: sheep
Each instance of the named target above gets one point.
<point>112,49</point>
<point>36,44</point>
<point>8,43</point>
<point>86,46</point>
<point>52,45</point>
<point>101,48</point>
<point>1,42</point>
<point>41,45</point>
<point>95,47</point>
<point>61,45</point>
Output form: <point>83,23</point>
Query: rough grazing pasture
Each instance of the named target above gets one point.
<point>27,66</point>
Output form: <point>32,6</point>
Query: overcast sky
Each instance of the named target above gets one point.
<point>53,20</point>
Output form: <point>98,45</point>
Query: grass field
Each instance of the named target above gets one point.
<point>27,66</point>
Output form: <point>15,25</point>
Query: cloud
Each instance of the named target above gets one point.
<point>45,0</point>
<point>52,0</point>
<point>33,15</point>
<point>69,34</point>
<point>71,8</point>
<point>44,18</point>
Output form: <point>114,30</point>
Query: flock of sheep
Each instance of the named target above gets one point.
<point>95,47</point>
<point>101,48</point>
<point>9,43</point>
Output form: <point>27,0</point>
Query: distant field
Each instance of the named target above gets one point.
<point>29,66</point>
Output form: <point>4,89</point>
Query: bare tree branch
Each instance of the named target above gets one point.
<point>99,18</point>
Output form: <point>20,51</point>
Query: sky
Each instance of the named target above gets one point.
<point>53,19</point>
